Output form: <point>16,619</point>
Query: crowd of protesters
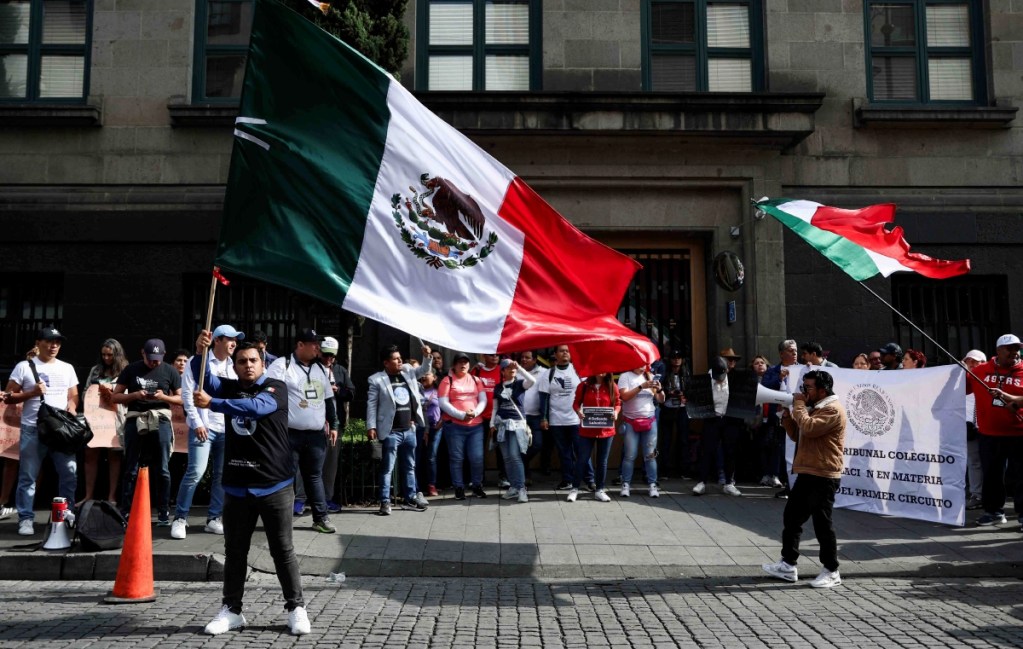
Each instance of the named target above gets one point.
<point>438,425</point>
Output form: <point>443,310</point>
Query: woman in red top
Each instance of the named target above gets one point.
<point>597,391</point>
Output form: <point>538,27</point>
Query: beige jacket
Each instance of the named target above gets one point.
<point>820,438</point>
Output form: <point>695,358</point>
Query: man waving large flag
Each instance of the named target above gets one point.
<point>344,187</point>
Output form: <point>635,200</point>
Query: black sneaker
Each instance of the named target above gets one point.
<point>783,494</point>
<point>591,486</point>
<point>564,485</point>
<point>385,508</point>
<point>477,491</point>
<point>459,493</point>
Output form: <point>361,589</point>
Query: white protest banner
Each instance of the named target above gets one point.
<point>905,442</point>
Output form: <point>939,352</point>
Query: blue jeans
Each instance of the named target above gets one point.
<point>308,450</point>
<point>465,442</point>
<point>533,421</point>
<point>403,443</point>
<point>583,449</point>
<point>199,454</point>
<point>633,441</point>
<point>33,452</point>
<point>240,517</point>
<point>428,455</point>
<point>153,448</point>
<point>566,439</point>
<point>513,460</point>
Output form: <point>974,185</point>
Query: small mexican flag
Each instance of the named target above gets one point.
<point>857,240</point>
<point>343,186</point>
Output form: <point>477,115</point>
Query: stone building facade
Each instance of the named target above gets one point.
<point>650,124</point>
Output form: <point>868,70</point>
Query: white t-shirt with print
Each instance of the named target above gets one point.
<point>561,388</point>
<point>58,376</point>
<point>641,405</point>
<point>309,388</point>
<point>531,398</point>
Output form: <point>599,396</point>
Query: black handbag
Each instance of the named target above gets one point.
<point>60,430</point>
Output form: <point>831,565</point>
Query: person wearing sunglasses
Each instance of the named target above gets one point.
<point>817,425</point>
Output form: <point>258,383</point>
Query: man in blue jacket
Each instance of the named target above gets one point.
<point>258,481</point>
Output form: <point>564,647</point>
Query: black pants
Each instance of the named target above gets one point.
<point>673,442</point>
<point>811,497</point>
<point>996,452</point>
<point>240,516</point>
<point>723,431</point>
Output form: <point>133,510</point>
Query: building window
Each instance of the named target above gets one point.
<point>961,313</point>
<point>28,302</point>
<point>222,30</point>
<point>478,45</point>
<point>924,51</point>
<point>44,50</point>
<point>703,46</point>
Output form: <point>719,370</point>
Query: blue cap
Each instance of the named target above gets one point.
<point>227,331</point>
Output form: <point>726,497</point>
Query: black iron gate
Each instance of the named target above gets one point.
<point>658,303</point>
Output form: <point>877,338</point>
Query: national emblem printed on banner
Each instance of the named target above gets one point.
<point>870,410</point>
<point>443,225</point>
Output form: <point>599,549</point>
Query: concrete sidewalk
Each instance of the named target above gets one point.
<point>675,535</point>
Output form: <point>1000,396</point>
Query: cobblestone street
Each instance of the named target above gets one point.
<point>424,612</point>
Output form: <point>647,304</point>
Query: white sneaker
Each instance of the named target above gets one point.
<point>5,512</point>
<point>503,483</point>
<point>654,491</point>
<point>765,481</point>
<point>699,489</point>
<point>523,496</point>
<point>625,492</point>
<point>776,483</point>
<point>26,527</point>
<point>298,621</point>
<point>782,570</point>
<point>511,494</point>
<point>601,495</point>
<point>214,526</point>
<point>731,490</point>
<point>827,579</point>
<point>572,495</point>
<point>225,621</point>
<point>179,528</point>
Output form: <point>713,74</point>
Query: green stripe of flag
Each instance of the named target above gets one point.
<point>850,257</point>
<point>325,107</point>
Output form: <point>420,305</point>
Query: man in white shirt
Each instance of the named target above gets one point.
<point>57,383</point>
<point>311,410</point>
<point>559,419</point>
<point>205,435</point>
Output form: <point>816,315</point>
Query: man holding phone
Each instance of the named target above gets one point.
<point>148,388</point>
<point>1000,427</point>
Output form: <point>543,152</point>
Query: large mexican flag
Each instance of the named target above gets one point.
<point>343,186</point>
<point>858,241</point>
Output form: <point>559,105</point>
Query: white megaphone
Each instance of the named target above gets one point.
<point>59,516</point>
<point>775,397</point>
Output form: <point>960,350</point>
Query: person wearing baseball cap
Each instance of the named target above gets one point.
<point>311,404</point>
<point>998,398</point>
<point>974,470</point>
<point>205,433</point>
<point>148,388</point>
<point>344,391</point>
<point>41,377</point>
<point>891,356</point>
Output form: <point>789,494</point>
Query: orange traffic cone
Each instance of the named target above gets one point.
<point>134,581</point>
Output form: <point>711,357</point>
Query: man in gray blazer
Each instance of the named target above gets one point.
<point>393,411</point>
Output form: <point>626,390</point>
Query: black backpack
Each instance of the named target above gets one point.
<point>100,526</point>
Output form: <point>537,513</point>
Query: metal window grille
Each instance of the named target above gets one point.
<point>657,303</point>
<point>247,305</point>
<point>28,302</point>
<point>961,313</point>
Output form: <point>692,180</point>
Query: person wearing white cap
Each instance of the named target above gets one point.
<point>974,470</point>
<point>1001,430</point>
<point>344,391</point>
<point>205,435</point>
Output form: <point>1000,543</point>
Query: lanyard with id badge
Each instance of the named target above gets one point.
<point>310,390</point>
